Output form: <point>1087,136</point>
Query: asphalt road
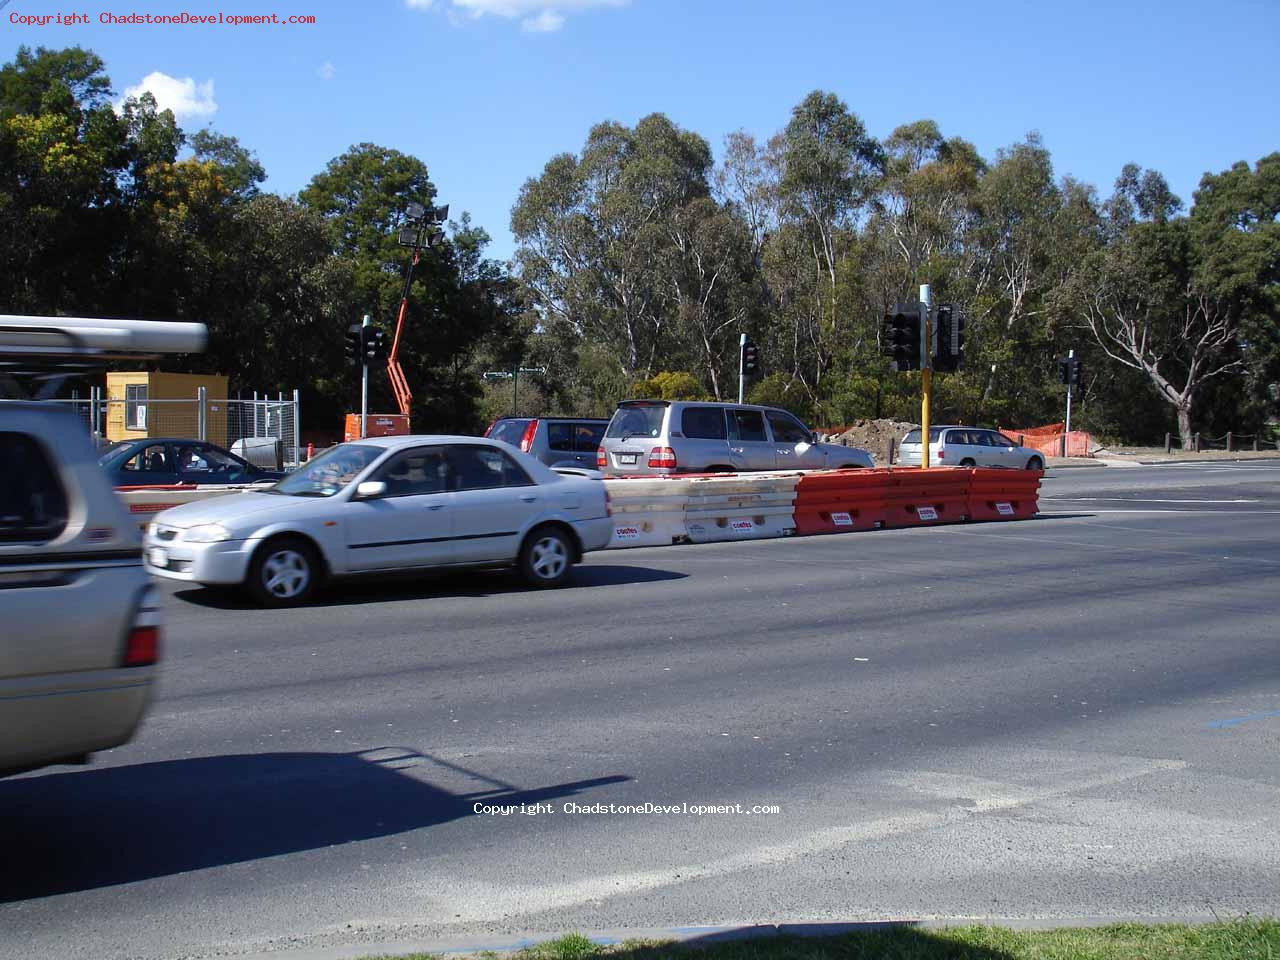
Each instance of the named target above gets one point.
<point>1077,715</point>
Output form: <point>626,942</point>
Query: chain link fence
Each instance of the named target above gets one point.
<point>260,429</point>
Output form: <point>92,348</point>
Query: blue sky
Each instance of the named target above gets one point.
<point>486,91</point>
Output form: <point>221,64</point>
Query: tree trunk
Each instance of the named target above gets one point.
<point>1184,426</point>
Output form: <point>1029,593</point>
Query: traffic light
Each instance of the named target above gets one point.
<point>1070,371</point>
<point>374,345</point>
<point>750,357</point>
<point>948,339</point>
<point>354,345</point>
<point>902,336</point>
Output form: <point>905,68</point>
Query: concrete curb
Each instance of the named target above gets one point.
<point>463,946</point>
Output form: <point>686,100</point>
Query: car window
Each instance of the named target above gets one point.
<point>587,436</point>
<point>914,436</point>
<point>330,472</point>
<point>637,420</point>
<point>963,437</point>
<point>508,431</point>
<point>985,438</point>
<point>747,426</point>
<point>33,505</point>
<point>153,458</point>
<point>415,473</point>
<point>703,423</point>
<point>786,428</point>
<point>483,468</point>
<point>192,461</point>
<point>560,437</point>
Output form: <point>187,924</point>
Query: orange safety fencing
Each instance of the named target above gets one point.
<point>1047,440</point>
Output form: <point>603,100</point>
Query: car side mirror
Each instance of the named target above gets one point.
<point>370,490</point>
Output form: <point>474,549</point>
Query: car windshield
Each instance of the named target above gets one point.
<point>636,420</point>
<point>914,435</point>
<point>328,473</point>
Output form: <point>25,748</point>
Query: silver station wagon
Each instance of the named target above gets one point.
<point>969,447</point>
<point>657,437</point>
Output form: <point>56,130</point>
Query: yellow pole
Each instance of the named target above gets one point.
<point>926,376</point>
<point>926,370</point>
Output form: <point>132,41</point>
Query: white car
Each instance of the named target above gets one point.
<point>386,504</point>
<point>969,447</point>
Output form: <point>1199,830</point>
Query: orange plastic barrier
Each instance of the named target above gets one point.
<point>1003,494</point>
<point>924,497</point>
<point>839,501</point>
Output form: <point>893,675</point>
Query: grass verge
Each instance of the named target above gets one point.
<point>1244,939</point>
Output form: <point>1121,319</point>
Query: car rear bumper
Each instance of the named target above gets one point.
<point>226,562</point>
<point>57,717</point>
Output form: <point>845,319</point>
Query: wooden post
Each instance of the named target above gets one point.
<point>1022,439</point>
<point>1168,443</point>
<point>1228,441</point>
<point>889,459</point>
<point>1255,443</point>
<point>1196,444</point>
<point>1064,446</point>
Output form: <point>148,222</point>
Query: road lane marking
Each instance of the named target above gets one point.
<point>1236,721</point>
<point>1136,500</point>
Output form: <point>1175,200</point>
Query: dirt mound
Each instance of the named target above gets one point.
<point>872,435</point>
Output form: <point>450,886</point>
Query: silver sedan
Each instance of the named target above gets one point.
<point>381,505</point>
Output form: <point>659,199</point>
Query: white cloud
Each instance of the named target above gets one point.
<point>326,71</point>
<point>535,16</point>
<point>548,21</point>
<point>182,95</point>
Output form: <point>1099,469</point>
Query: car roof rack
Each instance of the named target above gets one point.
<point>43,352</point>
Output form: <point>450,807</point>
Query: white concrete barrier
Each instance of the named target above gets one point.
<point>647,512</point>
<point>743,507</point>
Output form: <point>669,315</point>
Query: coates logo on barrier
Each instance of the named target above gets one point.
<point>741,526</point>
<point>626,533</point>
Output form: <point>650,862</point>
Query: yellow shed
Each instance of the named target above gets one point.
<point>142,404</point>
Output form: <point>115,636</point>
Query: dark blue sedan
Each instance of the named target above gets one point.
<point>160,460</point>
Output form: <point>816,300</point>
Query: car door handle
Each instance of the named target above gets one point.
<point>436,506</point>
<point>528,499</point>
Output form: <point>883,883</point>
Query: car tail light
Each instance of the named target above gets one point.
<point>941,454</point>
<point>489,429</point>
<point>602,459</point>
<point>662,457</point>
<point>527,440</point>
<point>142,649</point>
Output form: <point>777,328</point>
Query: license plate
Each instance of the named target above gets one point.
<point>158,557</point>
<point>627,458</point>
<point>926,513</point>
<point>1004,509</point>
<point>842,520</point>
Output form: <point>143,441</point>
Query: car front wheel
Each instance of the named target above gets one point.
<point>284,572</point>
<point>546,559</point>
<point>1035,463</point>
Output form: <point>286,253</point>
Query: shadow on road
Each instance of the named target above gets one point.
<point>818,941</point>
<point>422,586</point>
<point>66,832</point>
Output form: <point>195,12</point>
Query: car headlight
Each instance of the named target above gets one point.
<point>207,533</point>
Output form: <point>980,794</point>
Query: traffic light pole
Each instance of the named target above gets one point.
<point>364,382</point>
<point>926,372</point>
<point>742,373</point>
